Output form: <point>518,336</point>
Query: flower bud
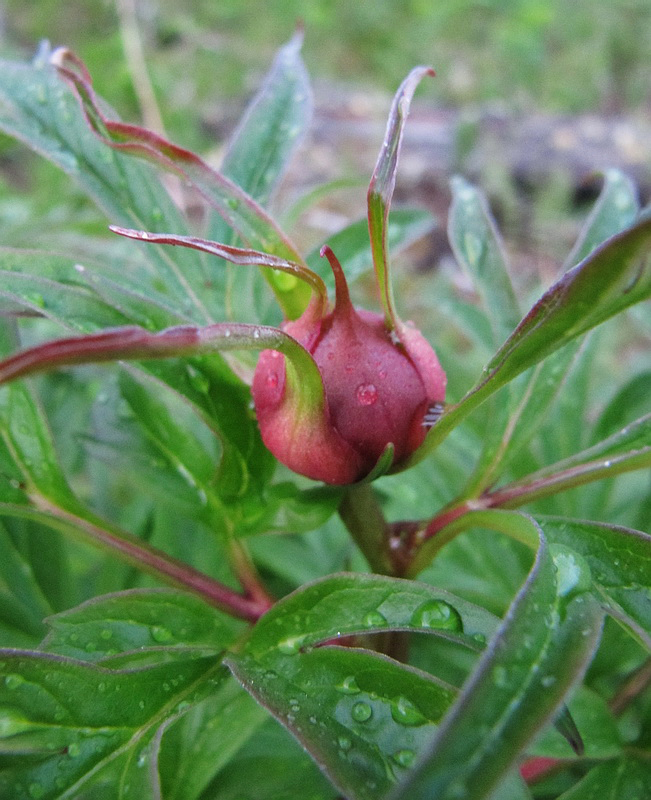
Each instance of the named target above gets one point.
<point>379,385</point>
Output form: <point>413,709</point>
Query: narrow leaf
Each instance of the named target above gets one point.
<point>380,190</point>
<point>241,212</point>
<point>629,449</point>
<point>37,107</point>
<point>541,650</point>
<point>615,276</point>
<point>261,148</point>
<point>477,246</point>
<point>615,210</point>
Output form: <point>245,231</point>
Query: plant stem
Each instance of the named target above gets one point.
<point>362,515</point>
<point>152,560</point>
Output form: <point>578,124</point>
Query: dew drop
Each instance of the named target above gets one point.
<point>404,712</point>
<point>198,380</point>
<point>35,790</point>
<point>106,633</point>
<point>344,743</point>
<point>101,687</point>
<point>573,573</point>
<point>374,620</point>
<point>548,681</point>
<point>74,750</point>
<point>348,686</point>
<point>256,333</point>
<point>13,681</point>
<point>90,647</point>
<point>404,758</point>
<point>291,645</point>
<point>233,203</point>
<point>437,615</point>
<point>366,394</point>
<point>160,634</point>
<point>271,380</point>
<point>361,712</point>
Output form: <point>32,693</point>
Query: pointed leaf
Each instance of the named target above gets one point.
<point>478,247</point>
<point>615,276</point>
<point>37,107</point>
<point>618,561</point>
<point>240,211</point>
<point>629,449</point>
<point>78,721</point>
<point>541,650</point>
<point>380,190</point>
<point>135,620</point>
<point>363,717</point>
<point>275,121</point>
<point>615,210</point>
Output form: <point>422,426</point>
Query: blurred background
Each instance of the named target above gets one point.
<point>533,98</point>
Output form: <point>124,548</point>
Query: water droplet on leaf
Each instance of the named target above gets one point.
<point>160,634</point>
<point>348,686</point>
<point>374,620</point>
<point>13,681</point>
<point>437,615</point>
<point>404,712</point>
<point>291,645</point>
<point>361,712</point>
<point>573,573</point>
<point>344,743</point>
<point>404,758</point>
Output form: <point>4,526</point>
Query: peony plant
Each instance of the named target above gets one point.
<point>413,633</point>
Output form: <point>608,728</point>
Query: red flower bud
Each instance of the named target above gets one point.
<point>379,385</point>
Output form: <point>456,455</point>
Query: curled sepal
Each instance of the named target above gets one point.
<point>380,190</point>
<point>239,210</point>
<point>237,255</point>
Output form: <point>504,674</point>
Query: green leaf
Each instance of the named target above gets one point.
<point>615,276</point>
<point>541,650</point>
<point>208,737</point>
<point>137,620</point>
<point>87,296</point>
<point>22,602</point>
<point>37,107</point>
<point>631,400</point>
<point>629,449</point>
<point>273,125</point>
<point>595,722</point>
<point>345,604</point>
<point>477,246</point>
<point>256,159</point>
<point>68,723</point>
<point>628,777</point>
<point>615,210</point>
<point>382,185</point>
<point>29,440</point>
<point>272,766</point>
<point>240,211</point>
<point>363,717</point>
<point>619,563</point>
<point>352,247</point>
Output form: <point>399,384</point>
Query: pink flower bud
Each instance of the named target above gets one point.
<point>379,385</point>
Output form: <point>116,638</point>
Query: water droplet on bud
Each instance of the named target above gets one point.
<point>366,394</point>
<point>271,380</point>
